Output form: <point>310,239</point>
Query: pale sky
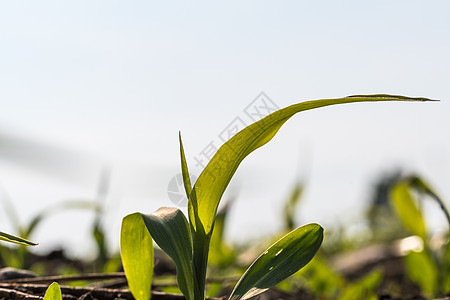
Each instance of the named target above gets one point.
<point>110,83</point>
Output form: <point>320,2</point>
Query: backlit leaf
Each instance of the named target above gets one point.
<point>364,288</point>
<point>423,271</point>
<point>136,249</point>
<point>212,182</point>
<point>407,209</point>
<point>214,179</point>
<point>281,260</point>
<point>53,292</point>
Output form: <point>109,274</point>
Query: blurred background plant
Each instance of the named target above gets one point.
<point>381,258</point>
<point>20,256</point>
<point>428,264</point>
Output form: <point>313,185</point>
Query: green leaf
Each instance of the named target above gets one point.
<point>364,288</point>
<point>220,254</point>
<point>281,260</point>
<point>214,179</point>
<point>407,210</point>
<point>422,186</point>
<point>212,182</point>
<point>136,249</point>
<point>56,208</point>
<point>14,239</point>
<point>446,268</point>
<point>184,169</point>
<point>323,280</point>
<point>53,292</point>
<point>423,271</point>
<point>170,230</point>
<point>291,205</point>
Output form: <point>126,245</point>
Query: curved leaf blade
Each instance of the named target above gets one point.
<point>211,184</point>
<point>291,205</point>
<point>184,169</point>
<point>170,230</point>
<point>53,292</point>
<point>423,271</point>
<point>15,239</point>
<point>288,255</point>
<point>424,187</point>
<point>136,249</point>
<point>214,179</point>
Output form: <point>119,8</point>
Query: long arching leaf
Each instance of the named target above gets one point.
<point>214,179</point>
<point>170,230</point>
<point>136,249</point>
<point>212,182</point>
<point>288,255</point>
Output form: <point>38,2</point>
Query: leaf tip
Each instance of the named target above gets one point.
<point>393,97</point>
<point>316,230</point>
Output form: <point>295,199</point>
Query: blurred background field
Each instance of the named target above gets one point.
<point>93,95</point>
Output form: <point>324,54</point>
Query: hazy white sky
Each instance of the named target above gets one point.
<point>113,82</point>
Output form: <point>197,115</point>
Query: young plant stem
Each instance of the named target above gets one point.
<point>200,261</point>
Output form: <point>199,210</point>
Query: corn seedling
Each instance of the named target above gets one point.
<point>187,241</point>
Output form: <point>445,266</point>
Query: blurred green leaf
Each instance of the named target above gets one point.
<point>15,239</point>
<point>321,279</point>
<point>424,187</point>
<point>446,268</point>
<point>170,230</point>
<point>220,254</point>
<point>56,208</point>
<point>364,288</point>
<point>279,261</point>
<point>100,240</point>
<point>407,209</point>
<point>423,271</point>
<point>113,264</point>
<point>214,179</point>
<point>136,248</point>
<point>291,205</point>
<point>53,292</point>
